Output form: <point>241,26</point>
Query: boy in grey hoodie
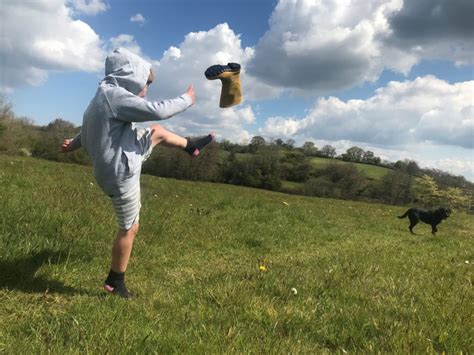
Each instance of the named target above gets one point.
<point>117,148</point>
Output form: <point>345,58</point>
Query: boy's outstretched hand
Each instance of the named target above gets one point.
<point>190,92</point>
<point>66,146</point>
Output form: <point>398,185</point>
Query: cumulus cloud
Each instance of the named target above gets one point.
<point>322,46</point>
<point>440,29</point>
<point>42,36</point>
<point>138,18</point>
<point>91,7</point>
<point>125,41</point>
<point>186,63</point>
<point>426,109</point>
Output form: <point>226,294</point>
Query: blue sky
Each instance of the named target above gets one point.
<point>392,76</point>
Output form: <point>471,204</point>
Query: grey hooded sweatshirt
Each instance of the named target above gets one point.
<point>108,130</point>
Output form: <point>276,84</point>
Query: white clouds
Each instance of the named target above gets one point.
<point>138,18</point>
<point>126,41</point>
<point>185,64</point>
<point>42,37</point>
<point>322,46</point>
<point>423,110</point>
<point>91,7</point>
<point>439,29</point>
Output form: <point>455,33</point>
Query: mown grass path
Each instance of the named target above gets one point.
<point>213,267</point>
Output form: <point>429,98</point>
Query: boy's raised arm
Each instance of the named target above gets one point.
<point>131,108</point>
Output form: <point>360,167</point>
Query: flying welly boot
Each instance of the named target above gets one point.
<point>229,75</point>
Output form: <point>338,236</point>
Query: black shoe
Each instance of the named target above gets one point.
<point>215,70</point>
<point>121,290</point>
<point>196,144</point>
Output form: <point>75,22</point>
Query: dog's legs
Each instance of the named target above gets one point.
<point>433,229</point>
<point>413,223</point>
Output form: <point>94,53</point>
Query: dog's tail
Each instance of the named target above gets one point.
<point>404,215</point>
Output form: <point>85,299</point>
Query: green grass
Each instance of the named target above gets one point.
<point>291,185</point>
<point>372,171</point>
<point>364,283</point>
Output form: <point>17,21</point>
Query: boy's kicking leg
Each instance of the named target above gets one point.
<point>192,146</point>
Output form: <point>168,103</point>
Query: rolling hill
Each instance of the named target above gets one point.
<point>221,269</point>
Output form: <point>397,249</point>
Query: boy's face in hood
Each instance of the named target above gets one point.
<point>127,70</point>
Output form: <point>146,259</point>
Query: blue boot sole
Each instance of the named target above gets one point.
<point>215,70</point>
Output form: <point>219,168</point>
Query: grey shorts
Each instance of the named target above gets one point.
<point>127,205</point>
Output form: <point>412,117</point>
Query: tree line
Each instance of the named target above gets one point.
<point>274,165</point>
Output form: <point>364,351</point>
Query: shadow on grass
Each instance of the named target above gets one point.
<point>19,274</point>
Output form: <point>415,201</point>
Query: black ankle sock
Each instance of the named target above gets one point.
<point>197,143</point>
<point>115,278</point>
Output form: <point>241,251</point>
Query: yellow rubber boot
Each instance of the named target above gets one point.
<point>229,75</point>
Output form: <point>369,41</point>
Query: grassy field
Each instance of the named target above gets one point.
<point>372,171</point>
<point>213,268</point>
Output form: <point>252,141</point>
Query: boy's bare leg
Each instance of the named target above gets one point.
<point>122,248</point>
<point>192,146</point>
<point>162,136</point>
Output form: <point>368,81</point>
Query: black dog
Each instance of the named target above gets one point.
<point>432,218</point>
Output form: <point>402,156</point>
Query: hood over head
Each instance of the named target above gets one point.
<point>127,70</point>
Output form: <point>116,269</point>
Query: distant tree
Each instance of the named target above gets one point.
<point>207,166</point>
<point>395,188</point>
<point>261,169</point>
<point>240,172</point>
<point>309,149</point>
<point>400,165</point>
<point>347,180</point>
<point>427,192</point>
<point>18,134</point>
<point>255,143</point>
<point>446,179</point>
<point>455,197</point>
<point>370,158</point>
<point>267,164</point>
<point>320,187</point>
<point>377,161</point>
<point>226,145</point>
<point>353,154</point>
<point>6,112</point>
<point>430,195</point>
<point>295,166</point>
<point>290,143</point>
<point>61,126</point>
<point>412,168</point>
<point>328,151</point>
<point>279,141</point>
